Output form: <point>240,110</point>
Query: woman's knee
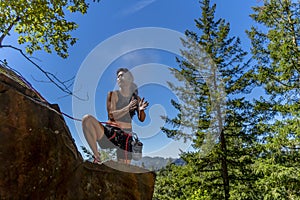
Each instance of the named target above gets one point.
<point>87,119</point>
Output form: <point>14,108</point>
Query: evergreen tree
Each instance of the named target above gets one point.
<point>220,168</point>
<point>275,47</point>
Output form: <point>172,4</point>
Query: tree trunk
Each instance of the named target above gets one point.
<point>224,166</point>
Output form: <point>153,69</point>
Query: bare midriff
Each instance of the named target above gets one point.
<point>123,125</point>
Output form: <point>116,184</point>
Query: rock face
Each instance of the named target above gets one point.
<point>39,159</point>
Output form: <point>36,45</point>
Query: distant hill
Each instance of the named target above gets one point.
<point>153,163</point>
<point>157,163</point>
<point>150,163</point>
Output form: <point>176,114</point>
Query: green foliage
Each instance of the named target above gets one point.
<point>175,182</point>
<point>199,195</point>
<point>276,50</point>
<point>261,139</point>
<point>105,154</point>
<point>41,24</point>
<point>222,163</point>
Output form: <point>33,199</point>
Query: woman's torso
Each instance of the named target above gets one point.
<point>126,120</point>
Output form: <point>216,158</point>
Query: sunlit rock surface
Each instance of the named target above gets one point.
<point>39,159</point>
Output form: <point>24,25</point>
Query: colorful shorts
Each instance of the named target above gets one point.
<point>118,138</point>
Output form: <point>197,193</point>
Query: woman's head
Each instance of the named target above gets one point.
<point>125,74</point>
<point>125,77</point>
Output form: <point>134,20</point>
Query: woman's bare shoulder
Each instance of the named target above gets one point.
<point>114,95</point>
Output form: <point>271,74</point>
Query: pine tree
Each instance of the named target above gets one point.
<point>220,125</point>
<point>275,47</point>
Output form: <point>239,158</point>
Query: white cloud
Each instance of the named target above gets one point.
<point>138,6</point>
<point>137,57</point>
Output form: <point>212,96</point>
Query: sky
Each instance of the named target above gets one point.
<point>142,35</point>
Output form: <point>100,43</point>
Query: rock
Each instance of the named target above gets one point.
<point>39,159</point>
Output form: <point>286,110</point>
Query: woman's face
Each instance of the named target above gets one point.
<point>123,79</point>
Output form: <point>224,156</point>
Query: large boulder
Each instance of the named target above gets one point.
<point>39,159</point>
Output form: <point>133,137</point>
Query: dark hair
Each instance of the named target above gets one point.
<point>134,88</point>
<point>127,72</point>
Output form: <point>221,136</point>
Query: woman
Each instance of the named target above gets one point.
<point>122,105</point>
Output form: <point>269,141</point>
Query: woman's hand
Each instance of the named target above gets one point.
<point>143,104</point>
<point>133,105</point>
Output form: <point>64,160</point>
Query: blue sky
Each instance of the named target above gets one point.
<point>104,22</point>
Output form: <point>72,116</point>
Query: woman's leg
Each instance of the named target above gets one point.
<point>124,152</point>
<point>93,131</point>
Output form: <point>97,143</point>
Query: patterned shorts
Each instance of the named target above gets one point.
<point>118,138</point>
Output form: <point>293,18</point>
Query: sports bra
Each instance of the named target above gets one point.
<point>122,102</point>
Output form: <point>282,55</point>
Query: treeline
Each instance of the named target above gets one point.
<point>245,148</point>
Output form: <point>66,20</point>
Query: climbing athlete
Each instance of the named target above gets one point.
<point>122,105</point>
